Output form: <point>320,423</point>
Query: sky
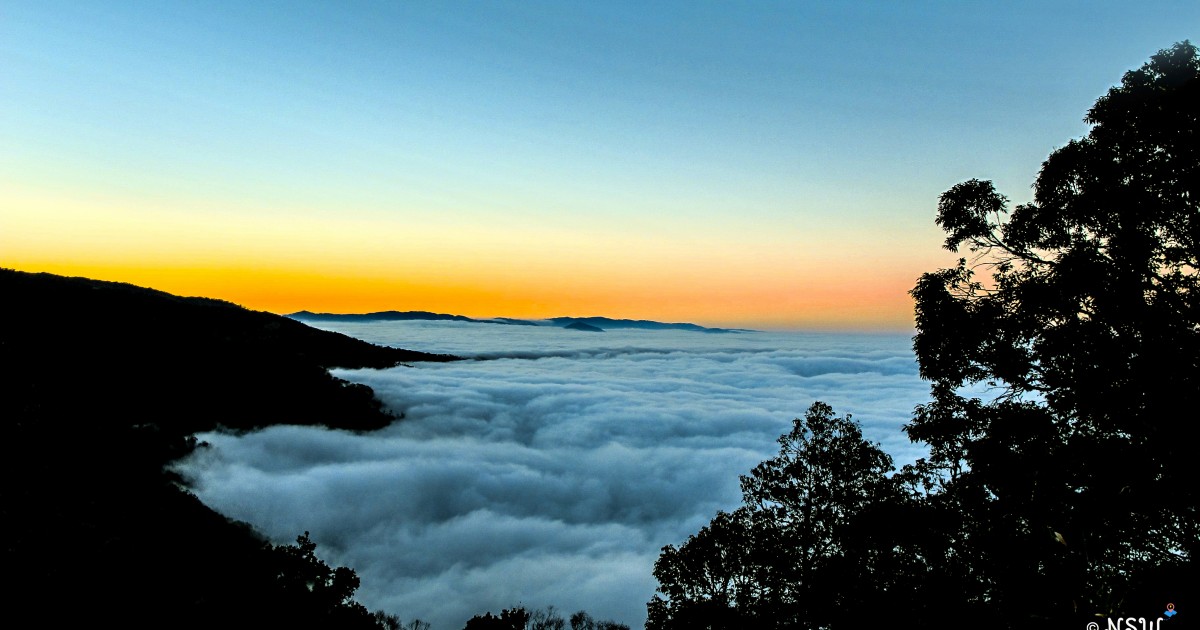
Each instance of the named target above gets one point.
<point>551,471</point>
<point>754,164</point>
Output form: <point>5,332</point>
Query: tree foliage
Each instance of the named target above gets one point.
<point>1063,352</point>
<point>316,592</point>
<point>1081,310</point>
<point>775,561</point>
<point>581,620</point>
<point>508,619</point>
<point>548,618</point>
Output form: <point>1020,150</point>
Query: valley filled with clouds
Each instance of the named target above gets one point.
<point>551,466</point>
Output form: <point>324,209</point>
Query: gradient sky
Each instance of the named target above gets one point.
<point>735,163</point>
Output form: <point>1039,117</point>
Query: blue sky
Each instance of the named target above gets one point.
<point>750,159</point>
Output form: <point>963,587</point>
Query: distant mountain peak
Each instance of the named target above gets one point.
<point>596,322</point>
<point>607,323</point>
<point>379,316</point>
<point>584,327</point>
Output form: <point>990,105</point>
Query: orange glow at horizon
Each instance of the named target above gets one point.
<point>717,276</point>
<point>882,305</point>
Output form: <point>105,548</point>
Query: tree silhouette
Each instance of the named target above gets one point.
<point>1064,494</point>
<point>792,554</point>
<point>509,619</point>
<point>581,620</point>
<point>392,622</point>
<point>314,593</point>
<point>1081,312</point>
<point>546,619</point>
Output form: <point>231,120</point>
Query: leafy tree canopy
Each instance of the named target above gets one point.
<point>791,553</point>
<point>1064,494</point>
<point>1081,310</point>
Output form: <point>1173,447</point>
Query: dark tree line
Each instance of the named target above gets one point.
<point>548,618</point>
<point>813,543</point>
<point>1066,495</point>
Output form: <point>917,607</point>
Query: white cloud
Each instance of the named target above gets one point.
<point>554,478</point>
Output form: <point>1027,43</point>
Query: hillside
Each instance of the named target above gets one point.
<point>104,383</point>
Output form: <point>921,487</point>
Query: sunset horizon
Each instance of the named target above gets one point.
<point>768,166</point>
<point>258,290</point>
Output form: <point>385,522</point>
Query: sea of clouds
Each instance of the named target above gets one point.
<point>552,467</point>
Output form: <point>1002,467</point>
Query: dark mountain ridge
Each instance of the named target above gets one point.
<point>603,323</point>
<point>383,316</point>
<point>102,385</point>
<point>583,327</point>
<point>607,323</point>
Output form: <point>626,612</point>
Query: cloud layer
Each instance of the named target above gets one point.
<point>553,468</point>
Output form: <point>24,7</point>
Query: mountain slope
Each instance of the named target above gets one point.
<point>103,384</point>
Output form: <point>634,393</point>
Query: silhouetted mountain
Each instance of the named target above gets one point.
<point>515,322</point>
<point>381,316</point>
<point>399,316</point>
<point>192,356</point>
<point>607,323</point>
<point>602,323</point>
<point>582,326</point>
<point>101,385</point>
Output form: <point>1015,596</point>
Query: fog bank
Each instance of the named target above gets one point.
<point>553,468</point>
